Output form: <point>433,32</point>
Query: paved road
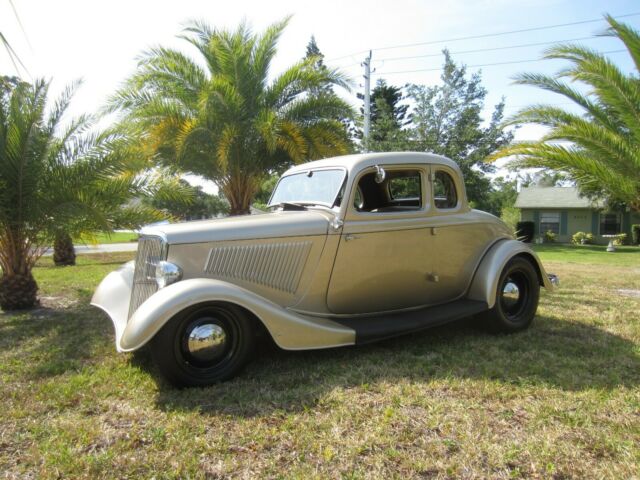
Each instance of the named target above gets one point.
<point>103,248</point>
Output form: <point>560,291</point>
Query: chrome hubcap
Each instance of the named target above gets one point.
<point>207,342</point>
<point>510,293</point>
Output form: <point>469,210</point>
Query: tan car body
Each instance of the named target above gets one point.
<point>301,272</point>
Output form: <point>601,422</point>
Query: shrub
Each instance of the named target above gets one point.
<point>582,238</point>
<point>524,231</point>
<point>620,239</point>
<point>635,234</point>
<point>510,216</point>
<point>549,236</point>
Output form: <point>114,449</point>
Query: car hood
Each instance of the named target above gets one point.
<point>245,227</point>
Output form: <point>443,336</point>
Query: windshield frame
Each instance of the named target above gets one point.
<point>310,202</point>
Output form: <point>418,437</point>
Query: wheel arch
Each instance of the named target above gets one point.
<point>485,280</point>
<point>289,330</point>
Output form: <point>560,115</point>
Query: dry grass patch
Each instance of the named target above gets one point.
<point>561,400</point>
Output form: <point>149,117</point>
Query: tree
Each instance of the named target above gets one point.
<point>196,206</point>
<point>221,118</point>
<point>267,187</point>
<point>446,119</point>
<point>52,180</point>
<point>388,117</point>
<point>502,194</point>
<point>315,57</point>
<point>600,148</point>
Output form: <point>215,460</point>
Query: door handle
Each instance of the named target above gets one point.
<point>350,236</point>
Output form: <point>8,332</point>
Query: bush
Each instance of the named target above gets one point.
<point>582,238</point>
<point>524,231</point>
<point>620,239</point>
<point>635,234</point>
<point>549,236</point>
<point>510,216</point>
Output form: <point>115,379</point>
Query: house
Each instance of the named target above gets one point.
<point>564,211</point>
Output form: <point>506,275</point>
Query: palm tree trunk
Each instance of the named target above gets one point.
<point>18,288</point>
<point>18,291</point>
<point>239,190</point>
<point>63,251</point>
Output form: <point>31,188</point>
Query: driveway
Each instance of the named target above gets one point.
<point>103,248</point>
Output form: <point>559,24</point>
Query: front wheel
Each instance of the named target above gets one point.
<point>516,298</point>
<point>204,345</point>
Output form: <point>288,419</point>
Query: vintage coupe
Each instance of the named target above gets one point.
<point>357,248</point>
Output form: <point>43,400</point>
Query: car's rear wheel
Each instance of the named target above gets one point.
<point>517,298</point>
<point>204,345</point>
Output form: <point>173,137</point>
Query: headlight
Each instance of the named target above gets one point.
<point>167,273</point>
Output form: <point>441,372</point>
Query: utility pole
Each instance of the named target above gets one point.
<point>367,101</point>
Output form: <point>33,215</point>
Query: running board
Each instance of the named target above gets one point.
<point>374,328</point>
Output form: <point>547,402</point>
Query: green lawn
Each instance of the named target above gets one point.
<point>588,254</point>
<point>560,400</point>
<point>115,237</point>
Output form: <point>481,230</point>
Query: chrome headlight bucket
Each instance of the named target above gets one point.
<point>167,273</point>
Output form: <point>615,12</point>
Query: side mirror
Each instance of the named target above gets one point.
<point>380,174</point>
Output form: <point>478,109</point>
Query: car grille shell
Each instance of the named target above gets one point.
<point>151,250</point>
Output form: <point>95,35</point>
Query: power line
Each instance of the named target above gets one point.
<point>24,32</point>
<point>486,35</point>
<point>481,65</point>
<point>479,50</point>
<point>493,49</point>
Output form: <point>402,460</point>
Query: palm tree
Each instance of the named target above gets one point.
<point>599,149</point>
<point>219,116</point>
<point>54,179</point>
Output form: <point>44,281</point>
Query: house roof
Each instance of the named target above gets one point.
<point>552,197</point>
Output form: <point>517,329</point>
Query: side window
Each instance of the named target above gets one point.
<point>401,191</point>
<point>444,190</point>
<point>405,188</point>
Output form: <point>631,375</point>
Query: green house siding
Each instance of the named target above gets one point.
<point>595,220</point>
<point>626,224</point>
<point>578,220</point>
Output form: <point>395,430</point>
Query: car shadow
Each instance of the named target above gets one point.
<point>554,353</point>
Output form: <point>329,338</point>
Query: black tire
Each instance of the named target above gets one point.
<point>203,345</point>
<point>514,309</point>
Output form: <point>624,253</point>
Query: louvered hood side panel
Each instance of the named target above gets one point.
<point>274,265</point>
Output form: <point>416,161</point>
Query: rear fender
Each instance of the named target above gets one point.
<point>289,330</point>
<point>485,281</point>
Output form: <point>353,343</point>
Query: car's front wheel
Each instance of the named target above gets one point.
<point>517,298</point>
<point>203,345</point>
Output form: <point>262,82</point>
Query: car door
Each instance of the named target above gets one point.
<point>459,239</point>
<point>383,261</point>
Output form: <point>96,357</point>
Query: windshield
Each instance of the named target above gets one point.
<point>319,187</point>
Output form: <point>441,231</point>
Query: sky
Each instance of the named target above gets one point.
<point>98,42</point>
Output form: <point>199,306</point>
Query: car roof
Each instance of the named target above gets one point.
<point>364,160</point>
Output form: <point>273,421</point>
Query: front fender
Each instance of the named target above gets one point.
<point>485,281</point>
<point>290,331</point>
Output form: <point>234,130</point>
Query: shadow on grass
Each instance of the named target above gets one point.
<point>55,341</point>
<point>553,353</point>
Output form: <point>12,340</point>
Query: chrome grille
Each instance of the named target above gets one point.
<point>150,251</point>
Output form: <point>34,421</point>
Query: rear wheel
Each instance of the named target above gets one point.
<point>204,345</point>
<point>516,298</point>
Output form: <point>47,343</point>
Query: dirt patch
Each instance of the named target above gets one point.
<point>57,302</point>
<point>629,293</point>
